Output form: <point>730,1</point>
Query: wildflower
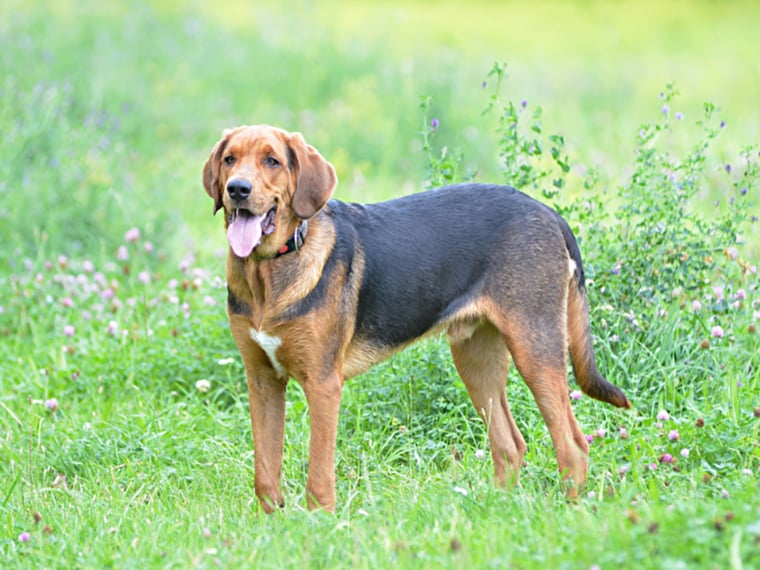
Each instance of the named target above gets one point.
<point>666,458</point>
<point>679,116</point>
<point>434,123</point>
<point>623,469</point>
<point>108,293</point>
<point>663,415</point>
<point>63,261</point>
<point>148,247</point>
<point>717,332</point>
<point>728,168</point>
<point>723,124</point>
<point>747,472</point>
<point>600,433</point>
<point>24,537</point>
<point>479,454</point>
<point>68,330</point>
<point>51,404</point>
<point>225,361</point>
<point>589,438</point>
<point>696,306</point>
<point>132,235</point>
<point>718,292</point>
<point>576,395</point>
<point>203,386</point>
<point>209,300</point>
<point>88,266</point>
<point>685,452</point>
<point>462,491</point>
<point>122,254</point>
<point>67,302</point>
<point>673,435</point>
<point>732,253</point>
<point>725,494</point>
<point>143,277</point>
<point>741,294</point>
<point>524,103</point>
<point>665,109</point>
<point>623,433</point>
<point>112,328</point>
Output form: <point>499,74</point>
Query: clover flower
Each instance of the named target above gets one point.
<point>434,124</point>
<point>68,330</point>
<point>122,254</point>
<point>576,395</point>
<point>663,415</point>
<point>24,537</point>
<point>52,404</point>
<point>132,235</point>
<point>673,435</point>
<point>717,332</point>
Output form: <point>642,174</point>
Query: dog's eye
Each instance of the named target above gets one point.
<point>271,162</point>
<point>229,160</point>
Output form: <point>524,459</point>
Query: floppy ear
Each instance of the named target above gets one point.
<point>211,170</point>
<point>315,178</point>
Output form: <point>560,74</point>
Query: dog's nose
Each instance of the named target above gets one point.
<point>239,189</point>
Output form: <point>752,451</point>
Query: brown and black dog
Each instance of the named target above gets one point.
<point>320,290</point>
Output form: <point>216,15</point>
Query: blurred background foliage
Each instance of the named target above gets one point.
<point>108,109</point>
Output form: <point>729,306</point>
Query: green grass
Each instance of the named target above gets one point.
<point>108,112</point>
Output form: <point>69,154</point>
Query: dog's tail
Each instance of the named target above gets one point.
<point>579,332</point>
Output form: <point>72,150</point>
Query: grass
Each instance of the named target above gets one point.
<point>124,431</point>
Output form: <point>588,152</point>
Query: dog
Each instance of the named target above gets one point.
<point>320,290</point>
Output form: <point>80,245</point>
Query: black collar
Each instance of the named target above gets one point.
<point>296,242</point>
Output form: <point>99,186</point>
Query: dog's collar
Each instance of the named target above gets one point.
<point>296,242</point>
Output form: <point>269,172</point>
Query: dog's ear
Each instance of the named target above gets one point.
<point>211,170</point>
<point>315,178</point>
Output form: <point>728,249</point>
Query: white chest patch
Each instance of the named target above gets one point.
<point>269,344</point>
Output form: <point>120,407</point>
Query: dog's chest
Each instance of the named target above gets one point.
<point>269,344</point>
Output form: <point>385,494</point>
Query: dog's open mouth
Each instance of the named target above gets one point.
<point>245,230</point>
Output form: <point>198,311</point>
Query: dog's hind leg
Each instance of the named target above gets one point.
<point>539,352</point>
<point>482,360</point>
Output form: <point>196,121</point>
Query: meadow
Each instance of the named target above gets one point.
<point>124,429</point>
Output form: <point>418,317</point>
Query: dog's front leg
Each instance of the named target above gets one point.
<point>266,398</point>
<point>323,395</point>
<point>266,401</point>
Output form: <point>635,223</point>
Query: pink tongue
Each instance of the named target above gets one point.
<point>244,233</point>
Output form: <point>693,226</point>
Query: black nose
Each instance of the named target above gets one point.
<point>238,189</point>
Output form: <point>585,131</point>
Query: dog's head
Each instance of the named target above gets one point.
<point>267,180</point>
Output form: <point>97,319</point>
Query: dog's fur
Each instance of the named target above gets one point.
<point>498,271</point>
